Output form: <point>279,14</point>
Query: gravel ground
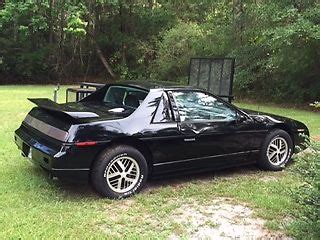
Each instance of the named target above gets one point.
<point>222,220</point>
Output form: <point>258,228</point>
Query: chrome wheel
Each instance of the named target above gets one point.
<point>122,174</point>
<point>277,151</point>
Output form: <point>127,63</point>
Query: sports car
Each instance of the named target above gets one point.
<point>125,133</point>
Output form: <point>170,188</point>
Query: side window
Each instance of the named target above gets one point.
<point>163,112</point>
<point>125,96</point>
<point>140,95</point>
<point>198,106</point>
<point>115,95</point>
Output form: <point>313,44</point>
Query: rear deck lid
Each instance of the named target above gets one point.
<point>49,105</point>
<point>80,112</point>
<point>55,120</point>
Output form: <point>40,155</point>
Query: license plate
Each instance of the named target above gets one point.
<point>30,153</point>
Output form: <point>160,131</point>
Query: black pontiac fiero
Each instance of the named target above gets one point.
<point>124,133</point>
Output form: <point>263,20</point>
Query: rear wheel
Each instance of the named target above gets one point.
<point>276,150</point>
<point>119,172</point>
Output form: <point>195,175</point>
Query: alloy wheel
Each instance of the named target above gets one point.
<point>122,174</point>
<point>277,151</point>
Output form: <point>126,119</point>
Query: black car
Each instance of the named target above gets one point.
<point>124,133</point>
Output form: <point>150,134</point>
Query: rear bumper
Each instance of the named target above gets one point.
<point>61,161</point>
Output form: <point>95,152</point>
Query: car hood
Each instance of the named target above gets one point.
<point>274,119</point>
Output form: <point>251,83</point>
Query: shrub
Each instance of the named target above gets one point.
<point>178,45</point>
<point>308,193</point>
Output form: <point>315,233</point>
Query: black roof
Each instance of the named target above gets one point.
<point>155,84</point>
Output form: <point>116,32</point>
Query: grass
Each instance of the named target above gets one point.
<point>32,206</point>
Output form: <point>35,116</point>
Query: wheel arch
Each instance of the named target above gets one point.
<point>286,128</point>
<point>132,142</point>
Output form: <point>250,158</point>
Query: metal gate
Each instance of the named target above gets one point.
<point>213,74</point>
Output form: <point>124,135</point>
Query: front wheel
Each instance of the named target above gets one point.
<point>276,150</point>
<point>119,172</point>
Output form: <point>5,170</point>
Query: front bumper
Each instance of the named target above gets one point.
<point>60,160</point>
<point>301,140</point>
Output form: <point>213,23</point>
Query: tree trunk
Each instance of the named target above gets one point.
<point>93,23</point>
<point>123,30</point>
<point>238,20</point>
<point>104,61</point>
<point>59,67</point>
<point>51,4</point>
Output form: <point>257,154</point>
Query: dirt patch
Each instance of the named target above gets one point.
<point>222,219</point>
<point>268,178</point>
<point>316,138</point>
<point>126,204</point>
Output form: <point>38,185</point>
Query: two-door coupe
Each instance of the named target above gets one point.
<point>124,133</point>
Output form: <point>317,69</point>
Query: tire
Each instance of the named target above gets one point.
<point>119,172</point>
<point>276,150</point>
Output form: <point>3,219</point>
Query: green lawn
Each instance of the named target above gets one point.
<point>31,206</point>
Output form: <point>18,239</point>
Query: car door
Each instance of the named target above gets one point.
<point>213,132</point>
<point>162,136</point>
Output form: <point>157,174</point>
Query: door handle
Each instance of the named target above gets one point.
<point>189,139</point>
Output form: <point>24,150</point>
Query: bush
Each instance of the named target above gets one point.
<point>308,194</point>
<point>280,58</point>
<point>178,45</point>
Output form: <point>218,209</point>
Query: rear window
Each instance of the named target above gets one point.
<point>125,96</point>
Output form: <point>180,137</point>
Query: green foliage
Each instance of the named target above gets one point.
<point>32,63</point>
<point>76,25</point>
<point>276,43</point>
<point>308,194</point>
<point>176,48</point>
<point>22,25</point>
<point>282,53</point>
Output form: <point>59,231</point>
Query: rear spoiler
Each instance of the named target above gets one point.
<point>52,106</point>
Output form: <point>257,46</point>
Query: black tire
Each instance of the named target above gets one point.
<point>264,161</point>
<point>107,161</point>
